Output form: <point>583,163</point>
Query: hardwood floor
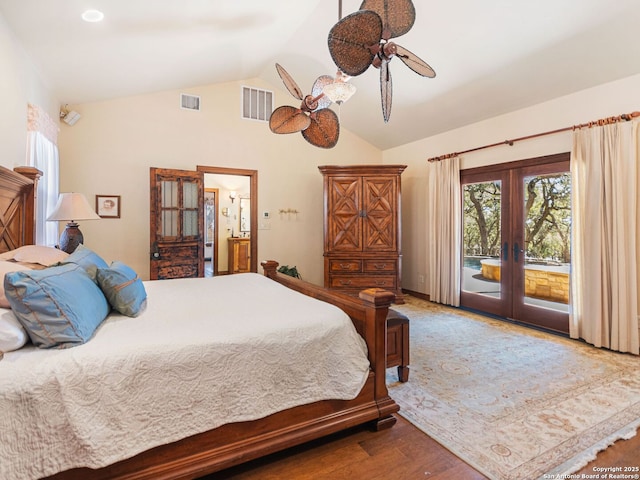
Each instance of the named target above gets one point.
<point>400,453</point>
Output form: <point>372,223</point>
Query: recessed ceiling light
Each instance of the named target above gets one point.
<point>93,16</point>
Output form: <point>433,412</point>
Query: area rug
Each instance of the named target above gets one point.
<point>513,402</point>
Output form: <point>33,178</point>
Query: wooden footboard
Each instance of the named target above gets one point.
<point>368,314</point>
<point>237,443</point>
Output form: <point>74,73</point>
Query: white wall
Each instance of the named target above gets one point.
<point>610,99</point>
<point>109,152</point>
<point>20,84</point>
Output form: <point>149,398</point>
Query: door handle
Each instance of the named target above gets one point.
<point>155,253</point>
<point>505,251</point>
<point>516,252</point>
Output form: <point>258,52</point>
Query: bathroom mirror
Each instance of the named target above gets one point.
<point>245,214</point>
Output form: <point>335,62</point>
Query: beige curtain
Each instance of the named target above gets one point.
<point>443,230</point>
<point>604,277</point>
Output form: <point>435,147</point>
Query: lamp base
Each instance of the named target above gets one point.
<point>71,237</point>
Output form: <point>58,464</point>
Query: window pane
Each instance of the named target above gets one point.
<point>547,230</point>
<point>190,195</point>
<point>190,226</point>
<point>169,194</point>
<point>482,238</point>
<point>169,226</point>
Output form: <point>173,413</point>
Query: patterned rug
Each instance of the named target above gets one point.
<point>513,402</point>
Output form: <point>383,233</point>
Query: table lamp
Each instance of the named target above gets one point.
<point>72,207</point>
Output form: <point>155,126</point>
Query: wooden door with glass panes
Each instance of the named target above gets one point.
<point>177,224</point>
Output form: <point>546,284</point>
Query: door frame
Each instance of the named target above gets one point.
<point>253,193</point>
<point>512,229</point>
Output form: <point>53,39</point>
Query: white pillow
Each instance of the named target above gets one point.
<point>12,335</point>
<point>40,254</point>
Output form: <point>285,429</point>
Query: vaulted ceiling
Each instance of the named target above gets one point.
<point>491,56</point>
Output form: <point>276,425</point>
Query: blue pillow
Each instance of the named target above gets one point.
<point>123,288</point>
<point>87,259</point>
<point>58,306</point>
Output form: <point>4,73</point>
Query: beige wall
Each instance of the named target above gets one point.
<point>109,151</point>
<point>20,84</point>
<point>614,98</point>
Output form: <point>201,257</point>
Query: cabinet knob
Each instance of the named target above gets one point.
<point>345,266</point>
<point>381,283</point>
<point>345,282</point>
<point>380,266</point>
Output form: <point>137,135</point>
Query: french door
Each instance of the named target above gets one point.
<point>516,244</point>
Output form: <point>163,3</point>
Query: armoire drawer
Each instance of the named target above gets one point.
<point>345,266</point>
<point>380,266</point>
<point>379,281</point>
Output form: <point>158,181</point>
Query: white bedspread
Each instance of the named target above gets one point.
<point>204,353</point>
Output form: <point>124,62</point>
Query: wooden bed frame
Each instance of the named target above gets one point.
<point>235,443</point>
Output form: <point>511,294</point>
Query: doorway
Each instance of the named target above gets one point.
<point>516,244</point>
<point>211,227</point>
<point>236,221</point>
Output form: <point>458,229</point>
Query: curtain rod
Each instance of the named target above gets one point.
<point>603,121</point>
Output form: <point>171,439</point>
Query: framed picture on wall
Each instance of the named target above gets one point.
<point>108,206</point>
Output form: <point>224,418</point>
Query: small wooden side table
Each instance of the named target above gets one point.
<point>398,343</point>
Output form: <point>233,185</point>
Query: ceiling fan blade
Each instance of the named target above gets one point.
<point>350,41</point>
<point>414,63</point>
<point>398,16</point>
<point>289,82</point>
<point>386,90</point>
<point>287,119</point>
<point>324,129</point>
<point>318,87</point>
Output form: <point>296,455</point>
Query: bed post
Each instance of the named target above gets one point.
<point>30,202</point>
<point>376,334</point>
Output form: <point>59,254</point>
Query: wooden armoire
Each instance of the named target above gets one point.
<point>362,227</point>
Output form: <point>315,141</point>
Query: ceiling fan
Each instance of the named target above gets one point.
<point>318,124</point>
<point>362,39</point>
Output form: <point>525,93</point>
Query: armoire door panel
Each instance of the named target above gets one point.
<point>379,205</point>
<point>345,233</point>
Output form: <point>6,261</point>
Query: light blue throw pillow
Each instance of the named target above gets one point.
<point>58,307</point>
<point>123,288</point>
<point>87,259</point>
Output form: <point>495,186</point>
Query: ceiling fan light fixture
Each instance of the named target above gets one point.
<point>339,91</point>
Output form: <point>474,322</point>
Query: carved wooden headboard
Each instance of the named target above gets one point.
<point>17,206</point>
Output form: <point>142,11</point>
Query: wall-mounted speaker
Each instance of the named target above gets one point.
<point>70,117</point>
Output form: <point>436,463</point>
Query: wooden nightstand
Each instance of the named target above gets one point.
<point>398,343</point>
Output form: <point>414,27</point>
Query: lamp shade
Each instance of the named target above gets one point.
<point>72,207</point>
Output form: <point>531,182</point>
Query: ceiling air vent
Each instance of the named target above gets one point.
<point>190,102</point>
<point>256,104</point>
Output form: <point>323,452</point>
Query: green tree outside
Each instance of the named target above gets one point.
<point>547,214</point>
